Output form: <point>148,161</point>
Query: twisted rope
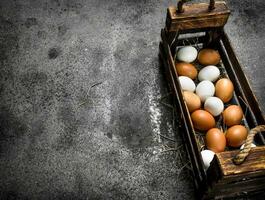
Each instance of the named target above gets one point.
<point>243,153</point>
<point>211,5</point>
<point>180,6</point>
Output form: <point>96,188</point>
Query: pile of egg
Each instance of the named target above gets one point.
<point>207,100</point>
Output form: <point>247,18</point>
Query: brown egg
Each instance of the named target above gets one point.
<point>208,57</point>
<point>236,135</point>
<point>232,115</point>
<point>192,100</point>
<point>215,140</point>
<point>186,69</point>
<point>224,89</point>
<point>202,120</point>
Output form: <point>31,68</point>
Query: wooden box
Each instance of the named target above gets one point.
<point>199,25</point>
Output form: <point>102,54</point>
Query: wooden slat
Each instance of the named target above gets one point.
<point>217,178</point>
<point>197,16</point>
<point>237,188</point>
<point>243,88</point>
<point>221,185</point>
<point>194,154</point>
<point>189,144</point>
<point>184,109</point>
<point>198,10</point>
<point>252,100</point>
<point>255,162</point>
<point>218,21</point>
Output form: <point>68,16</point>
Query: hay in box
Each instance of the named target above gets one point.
<point>202,26</point>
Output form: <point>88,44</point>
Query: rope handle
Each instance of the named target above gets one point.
<point>243,153</point>
<point>181,2</point>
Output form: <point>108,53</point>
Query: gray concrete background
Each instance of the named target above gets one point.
<point>80,93</point>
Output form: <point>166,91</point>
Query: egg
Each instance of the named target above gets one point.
<point>232,115</point>
<point>202,120</point>
<point>187,54</point>
<point>215,140</point>
<point>252,145</point>
<point>208,57</point>
<point>187,83</point>
<point>210,73</point>
<point>207,157</point>
<point>186,69</point>
<point>224,89</point>
<point>236,135</point>
<point>205,89</point>
<point>192,100</point>
<point>214,105</point>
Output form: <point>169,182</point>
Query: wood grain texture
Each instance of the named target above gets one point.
<point>197,10</point>
<point>197,16</point>
<point>254,162</point>
<point>223,186</point>
<point>236,188</point>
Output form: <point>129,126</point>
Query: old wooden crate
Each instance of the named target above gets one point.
<point>202,25</point>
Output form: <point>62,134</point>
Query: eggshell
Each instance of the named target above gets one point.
<point>192,100</point>
<point>210,73</point>
<point>205,89</point>
<point>232,115</point>
<point>202,120</point>
<point>187,54</point>
<point>214,105</point>
<point>224,89</point>
<point>187,84</point>
<point>186,69</point>
<point>207,157</point>
<point>208,57</point>
<point>236,135</point>
<point>215,140</point>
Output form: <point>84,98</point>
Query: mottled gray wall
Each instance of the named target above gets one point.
<point>62,136</point>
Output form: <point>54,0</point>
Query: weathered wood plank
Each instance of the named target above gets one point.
<point>198,10</point>
<point>237,188</point>
<point>254,162</point>
<point>190,144</point>
<point>197,16</point>
<point>252,100</point>
<point>236,73</point>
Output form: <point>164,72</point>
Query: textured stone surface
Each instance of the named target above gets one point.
<point>80,110</point>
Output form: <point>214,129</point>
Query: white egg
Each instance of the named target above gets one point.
<point>205,89</point>
<point>210,73</point>
<point>187,54</point>
<point>187,83</point>
<point>252,145</point>
<point>207,157</point>
<point>214,105</point>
